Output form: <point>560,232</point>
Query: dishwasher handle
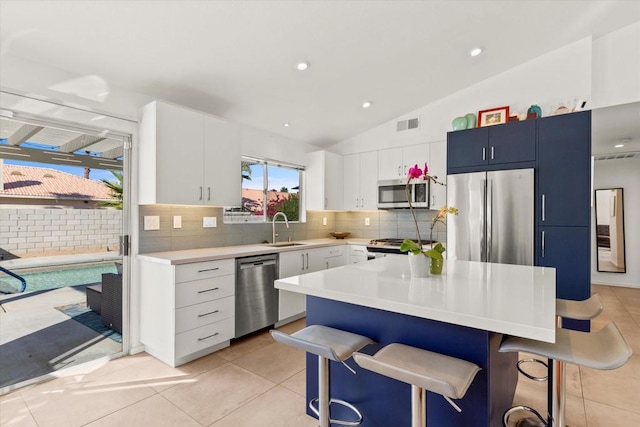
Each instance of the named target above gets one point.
<point>256,264</point>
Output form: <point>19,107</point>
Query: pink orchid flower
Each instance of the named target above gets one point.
<point>415,172</point>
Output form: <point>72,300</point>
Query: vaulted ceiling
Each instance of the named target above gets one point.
<point>237,59</point>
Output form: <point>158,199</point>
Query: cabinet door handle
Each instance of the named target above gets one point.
<point>405,170</point>
<point>200,193</point>
<point>209,269</point>
<point>543,207</point>
<point>208,336</point>
<point>307,255</point>
<point>542,245</point>
<point>399,170</point>
<point>208,193</point>
<point>484,153</point>
<point>492,152</point>
<point>209,313</point>
<point>326,202</point>
<point>433,201</point>
<point>327,262</point>
<point>208,290</point>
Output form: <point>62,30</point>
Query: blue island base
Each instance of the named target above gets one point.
<point>385,402</point>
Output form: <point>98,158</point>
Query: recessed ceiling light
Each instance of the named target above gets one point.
<point>367,104</point>
<point>475,51</point>
<point>618,146</point>
<point>303,65</point>
<point>287,125</point>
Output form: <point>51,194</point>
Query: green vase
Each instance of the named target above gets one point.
<point>436,266</point>
<point>459,123</point>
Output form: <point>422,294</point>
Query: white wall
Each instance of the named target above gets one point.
<point>625,174</point>
<point>616,67</point>
<point>558,77</point>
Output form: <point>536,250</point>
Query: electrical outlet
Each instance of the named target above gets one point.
<point>209,222</point>
<point>324,221</point>
<point>367,222</point>
<point>177,221</point>
<point>152,223</point>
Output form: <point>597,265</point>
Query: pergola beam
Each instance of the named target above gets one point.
<point>23,134</point>
<point>79,143</point>
<point>114,153</point>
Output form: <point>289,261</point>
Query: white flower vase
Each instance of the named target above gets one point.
<point>419,265</point>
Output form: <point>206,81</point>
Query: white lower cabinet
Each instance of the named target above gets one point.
<point>188,310</point>
<point>292,305</point>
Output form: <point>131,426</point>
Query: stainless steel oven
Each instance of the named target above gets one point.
<point>392,194</point>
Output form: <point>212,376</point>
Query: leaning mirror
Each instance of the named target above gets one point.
<point>610,230</point>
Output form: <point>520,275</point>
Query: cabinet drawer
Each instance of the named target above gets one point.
<point>203,337</point>
<point>202,270</point>
<point>198,291</point>
<point>337,251</point>
<point>194,316</point>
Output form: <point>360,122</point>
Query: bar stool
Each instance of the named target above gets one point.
<point>328,344</point>
<point>604,349</point>
<point>568,309</point>
<point>425,371</point>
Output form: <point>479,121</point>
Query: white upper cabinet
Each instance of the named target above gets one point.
<point>222,163</point>
<point>394,163</point>
<point>438,168</point>
<point>360,181</point>
<point>324,189</point>
<point>188,158</point>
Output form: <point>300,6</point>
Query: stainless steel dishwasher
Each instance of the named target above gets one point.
<point>256,295</point>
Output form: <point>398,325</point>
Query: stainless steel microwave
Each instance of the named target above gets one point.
<point>392,194</point>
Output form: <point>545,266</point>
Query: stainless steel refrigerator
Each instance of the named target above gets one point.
<point>495,219</point>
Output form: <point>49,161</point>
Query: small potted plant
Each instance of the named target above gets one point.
<point>434,253</point>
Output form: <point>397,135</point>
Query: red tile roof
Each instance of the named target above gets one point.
<point>36,182</point>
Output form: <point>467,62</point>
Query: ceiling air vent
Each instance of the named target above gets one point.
<point>616,156</point>
<point>408,124</point>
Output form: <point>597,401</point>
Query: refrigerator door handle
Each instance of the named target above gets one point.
<point>543,207</point>
<point>542,245</point>
<point>483,228</point>
<point>489,203</point>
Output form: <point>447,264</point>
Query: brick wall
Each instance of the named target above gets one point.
<point>40,232</point>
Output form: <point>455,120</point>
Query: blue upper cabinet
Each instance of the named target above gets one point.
<point>512,143</point>
<point>564,170</point>
<point>467,148</point>
<point>489,148</point>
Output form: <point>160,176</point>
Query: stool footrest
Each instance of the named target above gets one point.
<point>316,411</point>
<point>507,414</point>
<point>532,377</point>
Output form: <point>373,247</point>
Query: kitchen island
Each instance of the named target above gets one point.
<point>462,313</point>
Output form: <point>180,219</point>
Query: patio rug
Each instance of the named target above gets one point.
<point>89,318</point>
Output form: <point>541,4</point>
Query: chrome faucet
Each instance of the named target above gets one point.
<point>273,224</point>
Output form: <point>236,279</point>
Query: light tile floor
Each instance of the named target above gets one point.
<point>258,382</point>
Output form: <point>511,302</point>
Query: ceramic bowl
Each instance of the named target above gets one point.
<point>340,234</point>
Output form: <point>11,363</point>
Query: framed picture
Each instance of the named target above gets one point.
<point>494,116</point>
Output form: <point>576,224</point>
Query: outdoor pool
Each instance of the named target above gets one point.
<point>60,276</point>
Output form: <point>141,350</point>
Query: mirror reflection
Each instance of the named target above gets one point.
<point>610,230</point>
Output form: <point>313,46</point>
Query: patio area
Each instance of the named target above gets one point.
<point>44,331</point>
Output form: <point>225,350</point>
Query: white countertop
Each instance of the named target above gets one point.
<point>510,299</point>
<point>225,252</point>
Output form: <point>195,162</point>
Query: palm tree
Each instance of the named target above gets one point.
<point>246,171</point>
<point>115,187</point>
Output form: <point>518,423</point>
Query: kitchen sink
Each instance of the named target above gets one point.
<point>283,244</point>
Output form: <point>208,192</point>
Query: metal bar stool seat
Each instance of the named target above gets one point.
<point>568,309</point>
<point>425,371</point>
<point>604,349</point>
<point>328,344</point>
